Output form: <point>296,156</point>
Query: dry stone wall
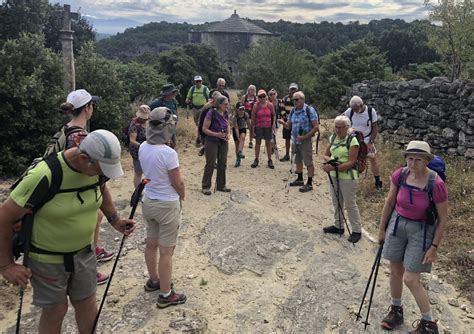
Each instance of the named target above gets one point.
<point>439,111</point>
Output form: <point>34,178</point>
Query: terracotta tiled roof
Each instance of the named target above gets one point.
<point>235,24</point>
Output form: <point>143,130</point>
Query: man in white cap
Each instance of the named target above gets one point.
<point>61,262</point>
<point>197,97</point>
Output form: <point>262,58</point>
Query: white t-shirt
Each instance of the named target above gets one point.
<point>361,121</point>
<point>156,162</point>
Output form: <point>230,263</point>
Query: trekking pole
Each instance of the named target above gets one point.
<point>317,141</point>
<point>136,196</point>
<point>292,157</point>
<point>187,110</point>
<point>366,322</point>
<point>340,210</point>
<point>275,147</point>
<point>376,263</point>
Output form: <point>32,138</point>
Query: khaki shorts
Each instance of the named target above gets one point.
<point>162,220</point>
<point>52,284</point>
<point>196,115</point>
<point>304,152</point>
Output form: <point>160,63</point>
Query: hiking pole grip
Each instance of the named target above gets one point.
<point>134,203</point>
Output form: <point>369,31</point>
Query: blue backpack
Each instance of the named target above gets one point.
<point>439,166</point>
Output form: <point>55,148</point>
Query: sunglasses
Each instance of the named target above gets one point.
<point>262,96</point>
<point>298,98</point>
<point>272,94</point>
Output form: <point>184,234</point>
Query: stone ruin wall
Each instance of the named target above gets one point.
<point>439,112</point>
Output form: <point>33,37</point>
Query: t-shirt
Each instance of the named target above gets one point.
<point>63,224</point>
<point>339,150</point>
<point>220,123</point>
<point>156,162</point>
<point>140,130</point>
<point>263,115</point>
<point>240,122</point>
<point>198,99</point>
<point>412,202</point>
<point>161,102</point>
<point>361,122</point>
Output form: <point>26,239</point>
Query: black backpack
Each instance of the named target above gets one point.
<point>126,135</point>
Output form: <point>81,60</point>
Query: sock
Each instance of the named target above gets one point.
<point>300,176</point>
<point>165,295</point>
<point>427,316</point>
<point>377,179</point>
<point>396,301</point>
<point>310,181</point>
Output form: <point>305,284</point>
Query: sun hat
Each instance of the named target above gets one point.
<point>293,86</point>
<point>103,146</point>
<point>143,112</point>
<point>81,97</point>
<point>197,78</point>
<point>418,147</point>
<point>161,126</point>
<point>168,89</point>
<point>262,92</point>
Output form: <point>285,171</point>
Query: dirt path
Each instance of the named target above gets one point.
<point>252,261</point>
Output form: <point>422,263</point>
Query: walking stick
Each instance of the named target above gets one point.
<point>292,158</point>
<point>187,111</point>
<point>136,196</point>
<point>366,322</point>
<point>275,147</point>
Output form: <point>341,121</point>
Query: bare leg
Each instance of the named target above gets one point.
<point>165,268</point>
<point>86,311</point>
<point>151,258</point>
<point>268,144</point>
<point>51,319</point>
<point>310,170</point>
<point>374,166</point>
<point>100,215</point>
<point>412,281</point>
<point>299,167</point>
<point>242,141</point>
<point>396,279</point>
<point>258,142</point>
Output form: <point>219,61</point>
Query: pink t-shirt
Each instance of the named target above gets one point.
<point>263,116</point>
<point>412,202</point>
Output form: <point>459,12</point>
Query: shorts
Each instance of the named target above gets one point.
<point>304,152</point>
<point>263,133</point>
<point>286,133</point>
<point>244,130</point>
<point>196,115</point>
<point>162,220</point>
<point>137,167</point>
<point>52,284</point>
<point>407,244</point>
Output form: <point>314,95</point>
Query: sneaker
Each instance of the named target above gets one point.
<point>102,278</point>
<point>224,190</point>
<point>354,237</point>
<point>250,145</point>
<point>237,163</point>
<point>306,188</point>
<point>285,158</point>
<point>394,318</point>
<point>102,255</point>
<point>425,327</point>
<point>297,183</point>
<point>270,164</point>
<point>333,230</point>
<point>254,164</point>
<point>207,192</point>
<point>152,286</point>
<point>173,299</point>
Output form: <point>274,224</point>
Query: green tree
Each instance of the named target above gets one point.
<point>275,65</point>
<point>455,39</point>
<point>356,62</point>
<point>142,82</point>
<point>30,94</point>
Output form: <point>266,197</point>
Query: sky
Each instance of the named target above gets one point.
<point>112,16</point>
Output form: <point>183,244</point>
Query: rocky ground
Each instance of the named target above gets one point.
<point>252,261</point>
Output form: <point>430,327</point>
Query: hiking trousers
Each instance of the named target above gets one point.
<point>347,198</point>
<point>215,150</point>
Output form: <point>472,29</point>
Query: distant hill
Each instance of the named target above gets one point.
<point>111,26</point>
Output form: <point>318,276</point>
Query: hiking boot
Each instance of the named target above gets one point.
<point>333,230</point>
<point>297,183</point>
<point>254,164</point>
<point>237,163</point>
<point>207,192</point>
<point>425,327</point>
<point>394,318</point>
<point>224,190</point>
<point>102,278</point>
<point>102,255</point>
<point>173,299</point>
<point>270,164</point>
<point>354,237</point>
<point>306,188</point>
<point>285,158</point>
<point>250,145</point>
<point>241,155</point>
<point>153,286</point>
<point>201,152</point>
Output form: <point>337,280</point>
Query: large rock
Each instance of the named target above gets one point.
<point>439,80</point>
<point>448,133</point>
<point>469,153</point>
<point>428,91</point>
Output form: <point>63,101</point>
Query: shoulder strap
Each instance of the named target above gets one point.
<point>205,91</point>
<point>332,139</point>
<point>70,130</point>
<point>349,140</point>
<point>350,115</point>
<point>402,177</point>
<point>308,113</point>
<point>430,184</point>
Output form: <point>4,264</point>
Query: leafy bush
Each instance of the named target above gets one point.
<point>424,71</point>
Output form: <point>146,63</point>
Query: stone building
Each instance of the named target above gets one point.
<point>230,38</point>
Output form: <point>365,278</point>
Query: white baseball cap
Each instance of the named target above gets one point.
<point>197,78</point>
<point>293,85</point>
<point>103,146</point>
<point>80,97</point>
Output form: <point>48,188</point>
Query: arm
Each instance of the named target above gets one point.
<point>133,139</point>
<point>388,207</point>
<point>431,254</point>
<point>252,122</point>
<point>273,116</point>
<point>375,132</point>
<point>177,182</point>
<point>17,274</point>
<point>327,153</point>
<point>188,96</point>
<point>125,226</point>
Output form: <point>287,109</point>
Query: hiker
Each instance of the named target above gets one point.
<point>412,239</point>
<point>341,157</point>
<point>80,105</point>
<point>168,99</point>
<point>161,204</point>
<point>137,136</point>
<point>220,87</point>
<point>364,119</point>
<point>303,122</point>
<point>197,97</point>
<point>208,106</point>
<point>217,130</point>
<point>263,125</point>
<point>71,269</point>
<point>240,123</point>
<point>248,100</point>
<point>285,109</point>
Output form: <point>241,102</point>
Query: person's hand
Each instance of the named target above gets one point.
<point>187,101</point>
<point>431,255</point>
<point>280,121</point>
<point>300,138</point>
<point>328,168</point>
<point>124,226</point>
<point>381,235</point>
<point>16,274</point>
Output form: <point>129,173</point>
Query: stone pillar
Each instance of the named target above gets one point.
<point>66,36</point>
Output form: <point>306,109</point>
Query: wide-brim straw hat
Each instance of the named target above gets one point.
<point>419,147</point>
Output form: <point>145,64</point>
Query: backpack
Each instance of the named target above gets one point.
<point>369,110</point>
<point>361,163</point>
<point>213,119</point>
<point>439,166</point>
<point>205,93</point>
<point>57,142</point>
<point>126,135</point>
